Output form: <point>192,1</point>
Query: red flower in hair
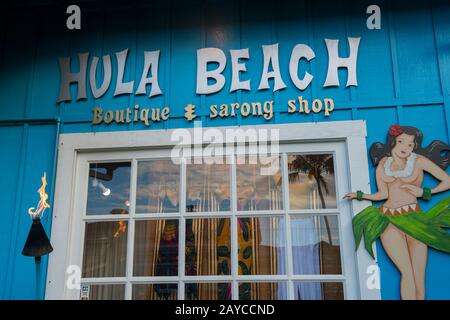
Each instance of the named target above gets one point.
<point>395,130</point>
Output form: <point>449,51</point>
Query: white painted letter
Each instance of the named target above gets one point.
<point>205,56</point>
<point>151,63</point>
<point>300,51</point>
<point>271,57</point>
<point>121,87</point>
<point>98,92</point>
<point>68,77</point>
<point>335,62</point>
<point>236,68</point>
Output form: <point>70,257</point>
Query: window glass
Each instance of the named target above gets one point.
<point>108,188</point>
<point>155,291</point>
<point>156,248</point>
<point>208,247</point>
<point>311,181</point>
<point>315,244</point>
<point>106,292</point>
<point>263,291</point>
<point>207,228</point>
<point>257,187</point>
<point>311,290</point>
<point>207,187</point>
<point>158,186</point>
<point>261,245</point>
<point>105,249</point>
<point>207,291</point>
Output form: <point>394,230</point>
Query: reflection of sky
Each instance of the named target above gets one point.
<point>209,183</point>
<point>153,178</point>
<point>212,180</point>
<point>251,185</point>
<point>303,193</point>
<point>97,203</point>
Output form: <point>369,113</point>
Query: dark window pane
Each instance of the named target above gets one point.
<point>105,249</point>
<point>106,291</point>
<point>305,290</point>
<point>109,188</point>
<point>263,291</point>
<point>207,291</point>
<point>156,291</point>
<point>156,248</point>
<point>208,247</point>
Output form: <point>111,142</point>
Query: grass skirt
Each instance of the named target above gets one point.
<point>425,226</point>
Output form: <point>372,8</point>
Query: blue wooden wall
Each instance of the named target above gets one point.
<point>403,76</point>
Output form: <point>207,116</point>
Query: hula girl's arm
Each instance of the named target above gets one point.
<point>382,193</point>
<point>438,173</point>
<point>433,169</point>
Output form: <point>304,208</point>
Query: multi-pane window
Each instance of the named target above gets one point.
<point>154,229</point>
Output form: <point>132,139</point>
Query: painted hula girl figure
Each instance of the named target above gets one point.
<point>405,230</point>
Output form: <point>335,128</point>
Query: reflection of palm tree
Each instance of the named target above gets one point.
<point>316,167</point>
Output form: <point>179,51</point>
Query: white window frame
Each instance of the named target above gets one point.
<point>345,139</point>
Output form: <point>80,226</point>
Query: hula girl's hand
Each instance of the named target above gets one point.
<point>350,196</point>
<point>414,190</point>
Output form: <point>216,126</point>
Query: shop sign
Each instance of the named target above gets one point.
<point>210,79</point>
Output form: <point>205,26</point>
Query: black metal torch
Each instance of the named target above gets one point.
<point>37,244</point>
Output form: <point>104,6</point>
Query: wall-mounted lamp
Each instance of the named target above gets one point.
<point>37,243</point>
<point>105,191</point>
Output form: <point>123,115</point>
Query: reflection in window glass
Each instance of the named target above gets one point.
<point>158,186</point>
<point>208,247</point>
<point>207,187</point>
<point>156,248</point>
<point>207,291</point>
<point>256,189</point>
<point>318,290</point>
<point>263,291</point>
<point>105,249</point>
<point>311,181</point>
<point>106,292</point>
<point>157,291</point>
<point>315,245</point>
<point>109,188</point>
<point>261,245</point>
